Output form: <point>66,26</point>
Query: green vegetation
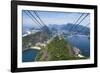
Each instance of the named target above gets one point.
<point>57,49</point>
<point>32,39</point>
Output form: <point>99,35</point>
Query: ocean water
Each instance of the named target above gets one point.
<point>82,42</point>
<point>29,55</point>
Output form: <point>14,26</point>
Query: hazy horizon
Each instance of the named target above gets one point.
<point>51,18</point>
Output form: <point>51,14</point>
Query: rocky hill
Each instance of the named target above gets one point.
<point>57,49</point>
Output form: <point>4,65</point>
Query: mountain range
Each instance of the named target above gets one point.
<point>66,27</point>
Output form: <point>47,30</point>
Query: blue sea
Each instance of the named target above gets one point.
<point>82,42</point>
<point>29,55</point>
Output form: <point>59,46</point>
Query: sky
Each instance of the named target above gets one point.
<point>57,18</point>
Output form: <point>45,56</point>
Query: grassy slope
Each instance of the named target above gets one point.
<point>57,49</point>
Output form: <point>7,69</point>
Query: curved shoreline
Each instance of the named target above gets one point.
<point>35,47</point>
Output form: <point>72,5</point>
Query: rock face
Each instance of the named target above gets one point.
<point>57,49</point>
<point>76,51</point>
